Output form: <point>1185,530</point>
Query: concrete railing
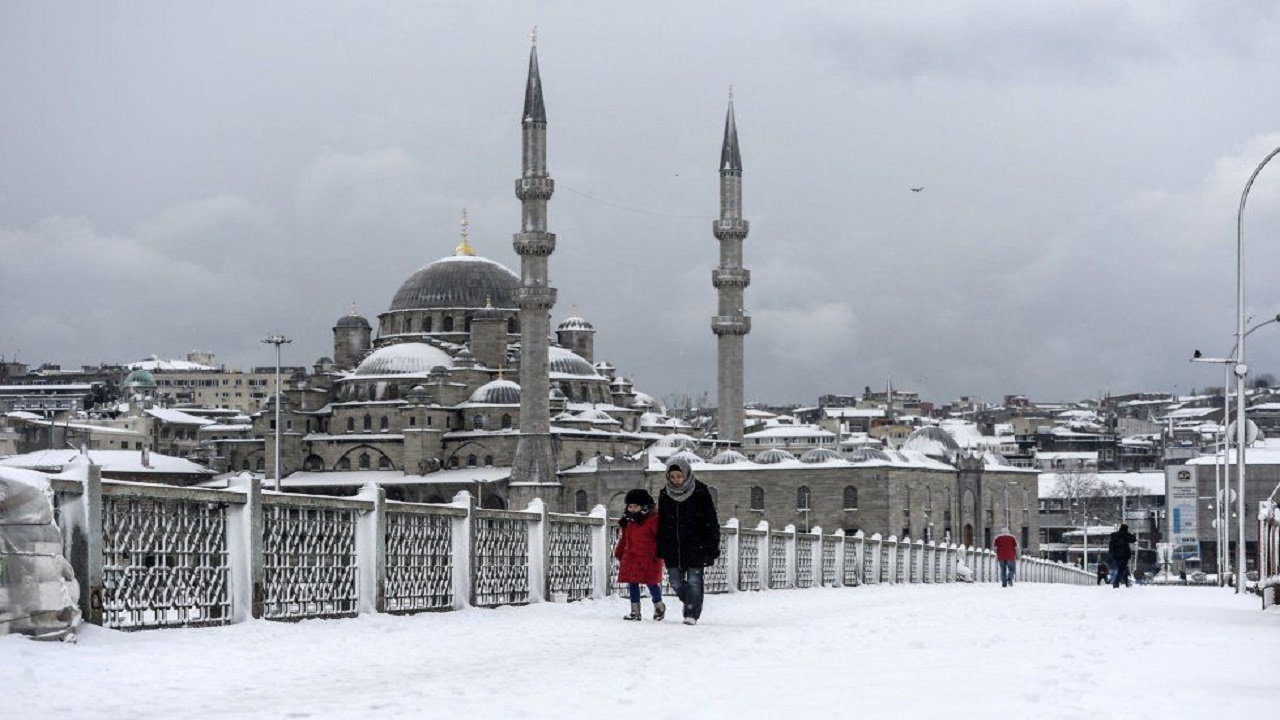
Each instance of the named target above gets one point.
<point>1268,552</point>
<point>151,556</point>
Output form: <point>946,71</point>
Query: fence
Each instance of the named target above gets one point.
<point>151,556</point>
<point>1268,552</point>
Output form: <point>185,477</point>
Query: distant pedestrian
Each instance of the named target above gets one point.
<point>1007,555</point>
<point>1118,548</point>
<point>1104,573</point>
<point>688,535</point>
<point>637,553</point>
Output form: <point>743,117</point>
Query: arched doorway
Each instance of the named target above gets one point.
<point>968,535</point>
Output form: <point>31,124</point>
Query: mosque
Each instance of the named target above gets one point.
<point>463,388</point>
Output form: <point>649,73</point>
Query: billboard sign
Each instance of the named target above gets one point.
<point>1183,530</point>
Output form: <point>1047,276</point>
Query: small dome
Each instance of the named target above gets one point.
<point>933,442</point>
<point>566,362</point>
<point>643,400</point>
<point>774,456</point>
<point>729,457</point>
<point>687,455</point>
<point>676,440</point>
<point>140,379</point>
<point>404,359</point>
<point>497,392</point>
<point>352,320</point>
<point>419,394</point>
<point>598,417</point>
<point>869,455</point>
<point>819,455</point>
<point>573,322</point>
<point>460,281</point>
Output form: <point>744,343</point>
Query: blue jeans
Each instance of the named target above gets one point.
<point>1007,570</point>
<point>655,592</point>
<point>687,582</point>
<point>1122,573</point>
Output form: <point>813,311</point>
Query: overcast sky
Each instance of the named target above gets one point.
<point>179,176</point>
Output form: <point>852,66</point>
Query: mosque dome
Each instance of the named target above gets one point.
<point>643,400</point>
<point>352,320</point>
<point>869,455</point>
<point>686,455</point>
<point>574,322</point>
<point>404,359</point>
<point>729,457</point>
<point>140,379</point>
<point>933,442</point>
<point>774,456</point>
<point>819,455</point>
<point>460,281</point>
<point>497,392</point>
<point>567,362</point>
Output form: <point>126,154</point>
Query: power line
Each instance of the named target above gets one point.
<point>628,208</point>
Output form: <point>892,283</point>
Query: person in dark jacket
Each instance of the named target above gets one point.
<point>688,535</point>
<point>637,553</point>
<point>1120,552</point>
<point>1104,573</point>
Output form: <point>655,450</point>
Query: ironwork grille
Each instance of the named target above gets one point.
<point>904,563</point>
<point>853,559</point>
<point>502,562</point>
<point>926,564</point>
<point>777,560</point>
<point>804,561</point>
<point>749,562</point>
<point>419,562</point>
<point>886,568</point>
<point>569,560</point>
<point>715,578</point>
<point>164,563</point>
<point>869,554</point>
<point>308,562</point>
<point>830,547</point>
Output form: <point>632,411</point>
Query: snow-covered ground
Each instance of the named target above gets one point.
<point>958,651</point>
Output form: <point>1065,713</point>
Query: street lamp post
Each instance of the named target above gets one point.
<point>277,339</point>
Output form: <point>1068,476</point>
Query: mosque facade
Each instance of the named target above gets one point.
<point>462,387</point>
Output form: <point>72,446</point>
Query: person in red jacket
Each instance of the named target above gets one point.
<point>1007,555</point>
<point>637,552</point>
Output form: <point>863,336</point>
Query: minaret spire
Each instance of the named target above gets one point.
<point>534,463</point>
<point>730,279</point>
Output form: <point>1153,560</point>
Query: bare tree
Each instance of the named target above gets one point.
<point>1090,499</point>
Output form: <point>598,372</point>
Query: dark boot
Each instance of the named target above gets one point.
<point>635,612</point>
<point>659,611</point>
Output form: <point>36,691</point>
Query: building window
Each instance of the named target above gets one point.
<point>580,501</point>
<point>262,464</point>
<point>850,497</point>
<point>426,325</point>
<point>803,498</point>
<point>506,421</point>
<point>757,499</point>
<point>453,461</point>
<point>364,461</point>
<point>448,323</point>
<point>384,463</point>
<point>344,463</point>
<point>471,460</point>
<point>314,463</point>
<point>413,421</point>
<point>478,422</point>
<point>488,461</point>
<point>384,423</point>
<point>577,458</point>
<point>368,421</point>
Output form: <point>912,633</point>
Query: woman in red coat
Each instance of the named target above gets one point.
<point>637,552</point>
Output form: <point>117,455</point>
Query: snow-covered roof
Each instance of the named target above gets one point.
<point>157,364</point>
<point>792,431</point>
<point>176,417</point>
<point>119,461</point>
<point>403,359</point>
<point>359,478</point>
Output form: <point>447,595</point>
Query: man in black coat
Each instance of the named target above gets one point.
<point>1118,548</point>
<point>688,535</point>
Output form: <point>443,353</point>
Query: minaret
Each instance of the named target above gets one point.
<point>730,279</point>
<point>534,461</point>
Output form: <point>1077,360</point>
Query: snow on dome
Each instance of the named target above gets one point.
<point>729,457</point>
<point>459,281</point>
<point>643,400</point>
<point>687,455</point>
<point>154,363</point>
<point>566,362</point>
<point>932,442</point>
<point>574,322</point>
<point>869,455</point>
<point>773,456</point>
<point>676,440</point>
<point>598,416</point>
<point>140,379</point>
<point>820,455</point>
<point>404,359</point>
<point>497,392</point>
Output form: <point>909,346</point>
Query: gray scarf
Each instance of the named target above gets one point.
<point>682,493</point>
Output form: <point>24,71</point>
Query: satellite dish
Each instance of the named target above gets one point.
<point>1251,432</point>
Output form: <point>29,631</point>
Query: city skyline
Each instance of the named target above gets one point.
<point>195,180</point>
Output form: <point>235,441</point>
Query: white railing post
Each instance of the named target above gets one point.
<point>539,546</point>
<point>463,531</point>
<point>877,559</point>
<point>244,550</point>
<point>733,551</point>
<point>600,552</point>
<point>840,557</point>
<point>789,542</point>
<point>766,556</point>
<point>895,558</point>
<point>371,551</point>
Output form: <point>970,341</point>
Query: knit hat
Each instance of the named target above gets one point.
<point>639,497</point>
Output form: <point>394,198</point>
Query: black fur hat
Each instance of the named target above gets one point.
<point>639,497</point>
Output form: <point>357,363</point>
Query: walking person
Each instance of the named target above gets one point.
<point>637,553</point>
<point>1007,555</point>
<point>1118,548</point>
<point>688,535</point>
<point>1104,573</point>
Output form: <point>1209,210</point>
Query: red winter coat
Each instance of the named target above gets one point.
<point>638,552</point>
<point>1006,547</point>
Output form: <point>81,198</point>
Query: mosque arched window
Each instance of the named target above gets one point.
<point>262,464</point>
<point>364,461</point>
<point>384,423</point>
<point>448,323</point>
<point>408,324</point>
<point>511,326</point>
<point>384,463</point>
<point>245,466</point>
<point>368,421</point>
<point>757,499</point>
<point>426,324</point>
<point>488,461</point>
<point>506,421</point>
<point>313,463</point>
<point>351,424</point>
<point>850,497</point>
<point>453,461</point>
<point>477,422</point>
<point>471,460</point>
<point>577,458</point>
<point>467,326</point>
<point>580,501</point>
<point>803,498</point>
<point>344,463</point>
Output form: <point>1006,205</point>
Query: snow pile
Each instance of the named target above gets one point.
<point>38,590</point>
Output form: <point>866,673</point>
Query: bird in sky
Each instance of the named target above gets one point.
<point>917,189</point>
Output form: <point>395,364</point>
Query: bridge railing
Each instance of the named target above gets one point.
<point>152,556</point>
<point>1268,552</point>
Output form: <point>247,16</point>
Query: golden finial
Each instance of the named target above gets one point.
<point>464,248</point>
<point>533,36</point>
<point>488,302</point>
<point>500,373</point>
